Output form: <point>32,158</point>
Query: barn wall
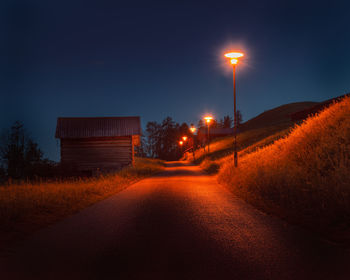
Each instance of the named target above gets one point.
<point>107,153</point>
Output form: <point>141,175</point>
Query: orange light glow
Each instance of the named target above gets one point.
<point>234,61</point>
<point>184,138</point>
<point>234,54</point>
<point>181,143</point>
<point>208,119</point>
<point>193,129</point>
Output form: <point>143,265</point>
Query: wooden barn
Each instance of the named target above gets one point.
<point>91,145</point>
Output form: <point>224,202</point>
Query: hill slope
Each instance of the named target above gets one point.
<point>270,125</point>
<point>277,116</point>
<point>303,177</point>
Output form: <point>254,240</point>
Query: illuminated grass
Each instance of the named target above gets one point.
<point>223,147</point>
<point>303,177</point>
<point>26,207</point>
<point>212,164</point>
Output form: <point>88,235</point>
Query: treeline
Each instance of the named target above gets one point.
<point>162,139</point>
<point>225,122</point>
<point>21,157</point>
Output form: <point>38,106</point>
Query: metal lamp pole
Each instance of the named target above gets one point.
<point>233,56</point>
<point>208,136</point>
<point>208,120</point>
<point>193,129</point>
<point>235,118</point>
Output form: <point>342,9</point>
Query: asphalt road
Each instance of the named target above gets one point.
<point>178,225</point>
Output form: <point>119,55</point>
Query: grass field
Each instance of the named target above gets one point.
<point>28,206</point>
<point>255,133</point>
<point>248,141</point>
<point>302,177</point>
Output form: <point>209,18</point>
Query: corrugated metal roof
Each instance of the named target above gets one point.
<point>97,127</point>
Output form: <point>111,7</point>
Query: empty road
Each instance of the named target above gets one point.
<point>179,224</point>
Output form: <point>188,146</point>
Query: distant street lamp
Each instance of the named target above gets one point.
<point>234,60</point>
<point>181,144</point>
<point>193,130</point>
<point>184,138</point>
<point>208,119</point>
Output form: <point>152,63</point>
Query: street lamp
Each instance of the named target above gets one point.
<point>184,138</point>
<point>193,130</point>
<point>234,56</point>
<point>181,144</point>
<point>208,119</point>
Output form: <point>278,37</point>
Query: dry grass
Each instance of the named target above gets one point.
<point>303,177</point>
<point>248,142</point>
<point>223,147</point>
<point>26,207</point>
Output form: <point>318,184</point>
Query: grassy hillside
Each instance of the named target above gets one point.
<point>247,141</point>
<point>303,177</point>
<point>26,207</point>
<point>277,116</point>
<point>257,132</point>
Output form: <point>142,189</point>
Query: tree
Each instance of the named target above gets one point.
<point>162,139</point>
<point>170,134</point>
<point>227,122</point>
<point>214,123</point>
<point>153,139</point>
<point>239,118</point>
<point>141,150</point>
<point>18,152</point>
<point>200,124</point>
<point>184,129</point>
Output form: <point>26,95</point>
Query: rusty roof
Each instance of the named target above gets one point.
<point>97,127</point>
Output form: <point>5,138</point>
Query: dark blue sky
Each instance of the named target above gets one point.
<point>154,59</point>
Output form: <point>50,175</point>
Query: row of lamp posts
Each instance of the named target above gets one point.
<point>233,56</point>
<point>184,140</point>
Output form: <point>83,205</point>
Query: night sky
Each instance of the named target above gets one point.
<point>158,59</point>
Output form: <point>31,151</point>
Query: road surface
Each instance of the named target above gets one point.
<point>179,224</point>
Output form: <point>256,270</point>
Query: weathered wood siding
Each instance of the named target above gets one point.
<point>105,153</point>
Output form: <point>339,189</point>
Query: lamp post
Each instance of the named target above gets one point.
<point>234,60</point>
<point>193,130</point>
<point>181,144</point>
<point>208,120</point>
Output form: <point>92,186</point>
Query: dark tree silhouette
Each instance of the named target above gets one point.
<point>227,122</point>
<point>19,154</point>
<point>239,118</point>
<point>200,124</point>
<point>153,130</point>
<point>162,139</point>
<point>141,150</point>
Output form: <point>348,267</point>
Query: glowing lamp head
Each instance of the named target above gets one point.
<point>181,143</point>
<point>184,138</point>
<point>234,55</point>
<point>193,129</point>
<point>208,119</point>
<point>234,61</point>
